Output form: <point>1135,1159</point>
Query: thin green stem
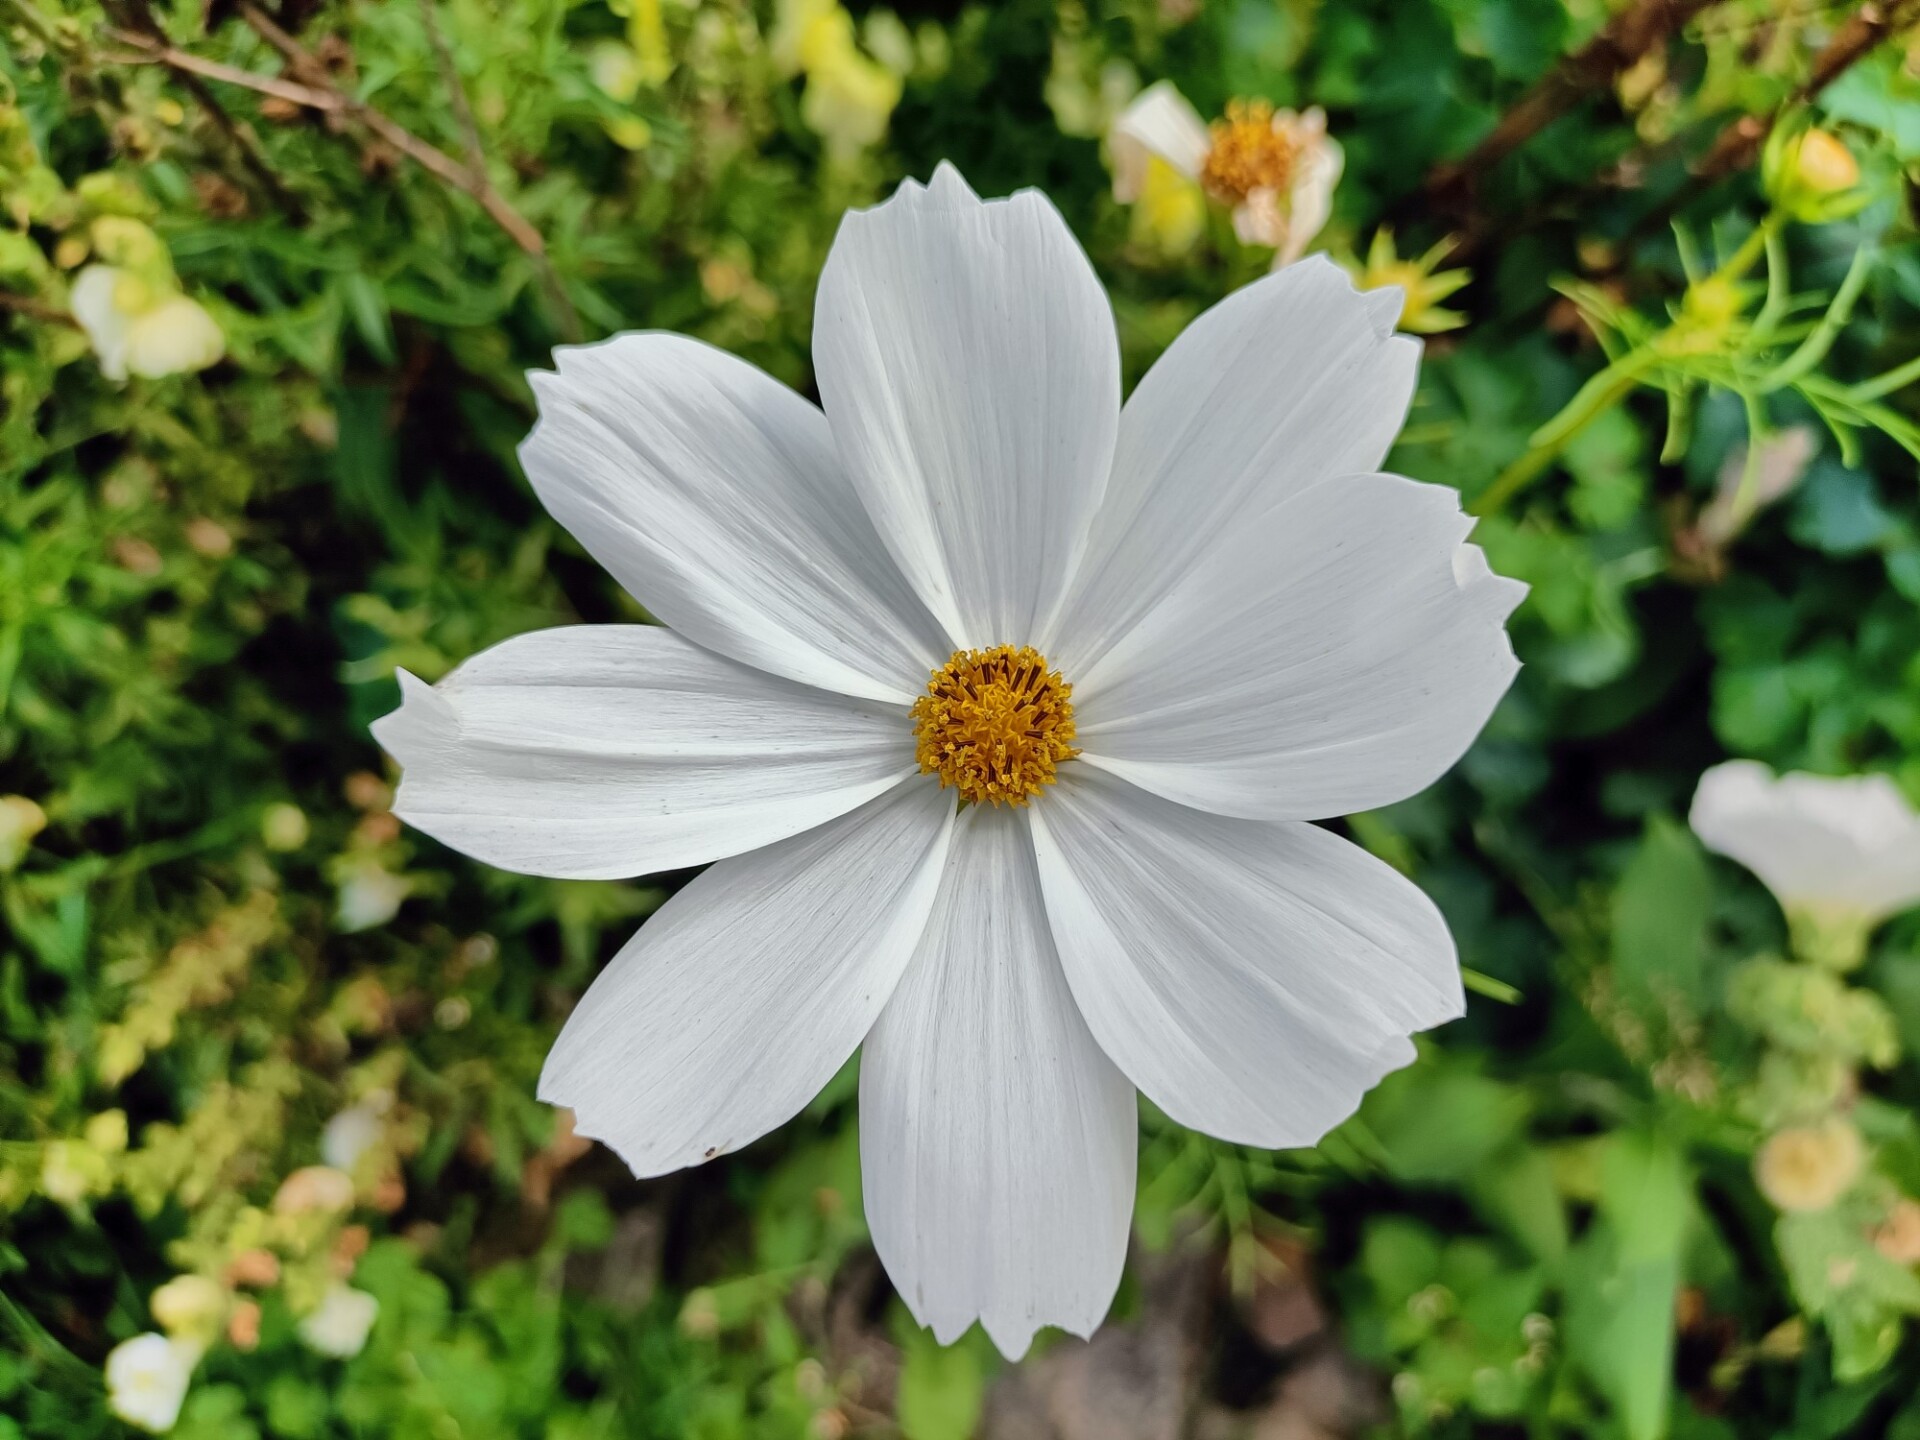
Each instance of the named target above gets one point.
<point>1885,384</point>
<point>1599,395</point>
<point>1751,248</point>
<point>1812,350</point>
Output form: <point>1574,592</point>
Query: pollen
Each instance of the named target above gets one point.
<point>1249,152</point>
<point>994,724</point>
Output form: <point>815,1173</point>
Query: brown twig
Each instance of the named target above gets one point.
<point>1628,38</point>
<point>245,143</point>
<point>151,52</point>
<point>1739,142</point>
<point>1737,146</point>
<point>314,89</point>
<point>471,181</point>
<point>35,309</point>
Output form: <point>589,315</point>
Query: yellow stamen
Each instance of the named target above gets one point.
<point>994,724</point>
<point>1249,153</point>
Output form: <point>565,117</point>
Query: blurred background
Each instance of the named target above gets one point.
<point>270,277</point>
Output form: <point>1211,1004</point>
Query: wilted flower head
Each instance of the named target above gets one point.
<point>147,1379</point>
<point>1149,643</point>
<point>1752,479</point>
<point>339,1325</point>
<point>1840,854</point>
<point>1808,1167</point>
<point>1277,169</point>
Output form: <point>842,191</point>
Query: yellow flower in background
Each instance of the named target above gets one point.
<point>1277,169</point>
<point>1418,279</point>
<point>1808,1167</point>
<point>615,70</point>
<point>647,33</point>
<point>137,327</point>
<point>849,97</point>
<point>1170,210</point>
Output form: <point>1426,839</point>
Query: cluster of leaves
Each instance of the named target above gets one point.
<point>222,957</point>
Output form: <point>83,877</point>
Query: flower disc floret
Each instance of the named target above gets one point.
<point>1249,152</point>
<point>994,724</point>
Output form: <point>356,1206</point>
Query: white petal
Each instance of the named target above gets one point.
<point>106,325</point>
<point>598,751</point>
<point>1335,654</point>
<point>713,494</point>
<point>1158,121</point>
<point>1849,844</point>
<point>1286,382</point>
<point>968,361</point>
<point>176,337</point>
<point>730,1009</point>
<point>1311,203</point>
<point>1253,979</point>
<point>997,1142</point>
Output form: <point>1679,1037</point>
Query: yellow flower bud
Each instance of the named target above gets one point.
<point>1810,174</point>
<point>1823,165</point>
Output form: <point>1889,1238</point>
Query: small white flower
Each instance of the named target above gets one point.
<point>147,1379</point>
<point>1276,168</point>
<point>368,895</point>
<point>139,328</point>
<point>352,1132</point>
<point>1150,643</point>
<point>339,1325</point>
<point>1840,855</point>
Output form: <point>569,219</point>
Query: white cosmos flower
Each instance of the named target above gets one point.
<point>1839,854</point>
<point>1258,631</point>
<point>1276,168</point>
<point>147,1379</point>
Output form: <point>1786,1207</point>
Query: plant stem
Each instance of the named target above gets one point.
<point>1596,397</point>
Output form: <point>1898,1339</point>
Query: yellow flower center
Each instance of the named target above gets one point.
<point>994,724</point>
<point>1248,153</point>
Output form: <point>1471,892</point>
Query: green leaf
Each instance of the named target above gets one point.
<point>941,1386</point>
<point>1439,1124</point>
<point>1622,1278</point>
<point>1661,909</point>
<point>1517,1193</point>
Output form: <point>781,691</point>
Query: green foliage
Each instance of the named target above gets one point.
<point>1663,1179</point>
